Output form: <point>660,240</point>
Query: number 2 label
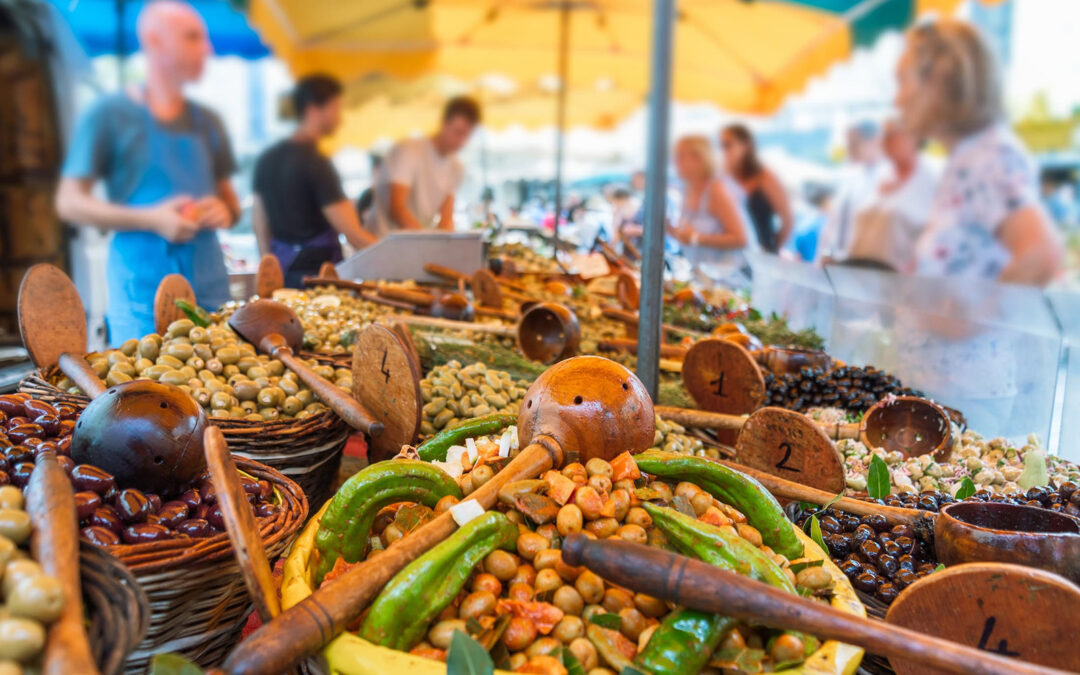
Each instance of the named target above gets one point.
<point>782,464</point>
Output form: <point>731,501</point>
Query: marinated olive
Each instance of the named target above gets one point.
<point>568,600</point>
<point>487,582</point>
<point>442,632</point>
<point>570,519</point>
<point>590,586</point>
<point>501,564</point>
<point>477,604</point>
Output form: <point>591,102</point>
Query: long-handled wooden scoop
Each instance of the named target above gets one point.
<point>53,325</point>
<point>50,502</point>
<point>240,525</point>
<point>275,329</point>
<point>698,585</point>
<point>173,287</point>
<point>578,409</point>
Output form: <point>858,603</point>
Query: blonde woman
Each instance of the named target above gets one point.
<point>710,227</point>
<point>986,221</point>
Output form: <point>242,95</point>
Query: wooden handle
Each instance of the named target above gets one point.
<point>700,419</point>
<point>792,491</point>
<point>839,432</point>
<point>240,524</point>
<point>344,405</point>
<point>495,313</point>
<point>78,371</point>
<point>627,345</point>
<point>50,503</point>
<point>445,272</point>
<point>418,298</point>
<point>337,283</point>
<point>631,318</point>
<point>700,586</point>
<point>308,626</point>
<point>458,325</point>
<point>396,304</point>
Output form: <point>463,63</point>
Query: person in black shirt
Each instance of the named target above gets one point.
<point>300,208</point>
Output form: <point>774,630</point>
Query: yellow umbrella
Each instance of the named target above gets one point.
<point>743,56</point>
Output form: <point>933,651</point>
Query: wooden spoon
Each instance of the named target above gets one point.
<point>578,409</point>
<point>240,525</point>
<point>50,503</point>
<point>173,287</point>
<point>275,329</point>
<point>53,326</point>
<point>269,277</point>
<point>328,270</point>
<point>626,291</point>
<point>698,585</point>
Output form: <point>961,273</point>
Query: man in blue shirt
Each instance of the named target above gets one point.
<point>165,162</point>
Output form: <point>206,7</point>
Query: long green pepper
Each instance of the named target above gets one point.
<point>435,447</point>
<point>346,524</point>
<point>750,497</point>
<point>683,642</point>
<point>400,616</point>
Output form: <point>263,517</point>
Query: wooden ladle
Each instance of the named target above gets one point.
<point>581,408</point>
<point>274,328</point>
<point>698,585</point>
<point>53,325</point>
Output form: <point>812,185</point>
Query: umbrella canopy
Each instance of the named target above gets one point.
<point>107,27</point>
<point>744,56</point>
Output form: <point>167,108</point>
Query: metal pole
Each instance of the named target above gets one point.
<point>652,267</point>
<point>560,113</point>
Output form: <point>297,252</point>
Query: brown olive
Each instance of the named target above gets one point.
<point>502,564</point>
<point>106,517</point>
<point>17,454</point>
<point>519,634</point>
<point>530,543</point>
<point>34,408</point>
<point>154,501</point>
<point>584,651</point>
<point>786,648</point>
<point>547,580</point>
<point>49,423</point>
<point>520,592</point>
<point>569,520</point>
<point>442,632</point>
<point>487,582</point>
<point>24,432</point>
<point>602,527</point>
<point>576,472</point>
<point>87,477</point>
<point>568,600</point>
<point>216,517</point>
<point>194,527</point>
<point>616,599</point>
<point>701,501</point>
<point>633,622</point>
<point>99,536</point>
<point>633,533</point>
<point>191,498</point>
<point>144,532</point>
<point>620,499</point>
<point>20,474</point>
<point>568,629</point>
<point>40,598</point>
<point>86,503</point>
<point>550,532</point>
<point>588,500</point>
<point>477,604</point>
<point>526,574</point>
<point>266,510</point>
<point>569,573</point>
<point>13,405</point>
<point>590,586</point>
<point>481,475</point>
<point>445,503</point>
<point>547,558</point>
<point>650,606</point>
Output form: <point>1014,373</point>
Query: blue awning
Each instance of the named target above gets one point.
<point>94,23</point>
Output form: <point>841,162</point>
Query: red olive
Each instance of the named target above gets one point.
<point>17,454</point>
<point>66,428</point>
<point>23,432</point>
<point>86,503</point>
<point>106,517</point>
<point>35,408</point>
<point>63,447</point>
<point>191,498</point>
<point>201,510</point>
<point>266,510</point>
<point>87,477</point>
<point>16,421</point>
<point>50,423</point>
<point>12,405</point>
<point>173,513</point>
<point>215,517</point>
<point>66,463</point>
<point>20,475</point>
<point>99,536</point>
<point>46,446</point>
<point>140,533</point>
<point>132,505</point>
<point>66,411</point>
<point>5,479</point>
<point>208,491</point>
<point>155,502</point>
<point>194,527</point>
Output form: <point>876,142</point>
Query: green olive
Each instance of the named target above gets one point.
<point>170,361</point>
<point>291,405</point>
<point>270,397</point>
<point>116,356</point>
<point>196,363</point>
<point>142,364</point>
<point>179,327</point>
<point>249,406</point>
<point>15,525</point>
<point>20,639</point>
<point>9,667</point>
<point>198,334</point>
<point>100,367</point>
<point>228,355</point>
<point>276,368</point>
<point>306,396</point>
<point>174,377</point>
<point>219,400</point>
<point>269,414</point>
<point>16,570</point>
<point>246,390</point>
<point>237,411</point>
<point>201,396</point>
<point>40,598</point>
<point>149,348</point>
<point>203,351</point>
<point>179,351</point>
<point>229,370</point>
<point>124,367</point>
<point>257,372</point>
<point>246,349</point>
<point>246,363</point>
<point>129,347</point>
<point>215,366</point>
<point>116,377</point>
<point>288,386</point>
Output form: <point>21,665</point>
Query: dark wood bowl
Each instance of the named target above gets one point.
<point>549,332</point>
<point>910,424</point>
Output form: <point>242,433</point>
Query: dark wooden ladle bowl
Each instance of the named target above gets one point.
<point>581,408</point>
<point>548,332</point>
<point>274,329</point>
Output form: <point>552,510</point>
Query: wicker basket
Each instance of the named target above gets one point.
<point>198,602</point>
<point>117,609</point>
<point>307,451</point>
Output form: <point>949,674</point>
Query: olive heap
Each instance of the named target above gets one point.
<point>32,599</point>
<point>110,514</point>
<point>223,373</point>
<point>452,393</point>
<point>851,388</point>
<point>880,559</point>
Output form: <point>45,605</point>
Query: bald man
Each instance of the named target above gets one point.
<point>165,163</point>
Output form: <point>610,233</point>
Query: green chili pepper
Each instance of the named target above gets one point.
<point>435,447</point>
<point>721,547</point>
<point>400,616</point>
<point>197,314</point>
<point>731,487</point>
<point>346,524</point>
<point>683,642</point>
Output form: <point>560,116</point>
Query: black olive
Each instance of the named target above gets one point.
<point>862,533</point>
<point>906,562</point>
<point>20,475</point>
<point>1066,489</point>
<point>892,548</point>
<point>906,544</point>
<point>876,521</point>
<point>926,568</point>
<point>887,565</point>
<point>829,524</point>
<point>838,545</point>
<point>886,593</point>
<point>867,582</point>
<point>870,550</point>
<point>851,568</point>
<point>904,578</point>
<point>902,531</point>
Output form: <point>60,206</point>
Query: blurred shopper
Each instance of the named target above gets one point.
<point>857,187</point>
<point>421,175</point>
<point>986,220</point>
<point>709,228</point>
<point>887,230</point>
<point>365,203</point>
<point>165,162</point>
<point>765,200</point>
<point>300,207</point>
